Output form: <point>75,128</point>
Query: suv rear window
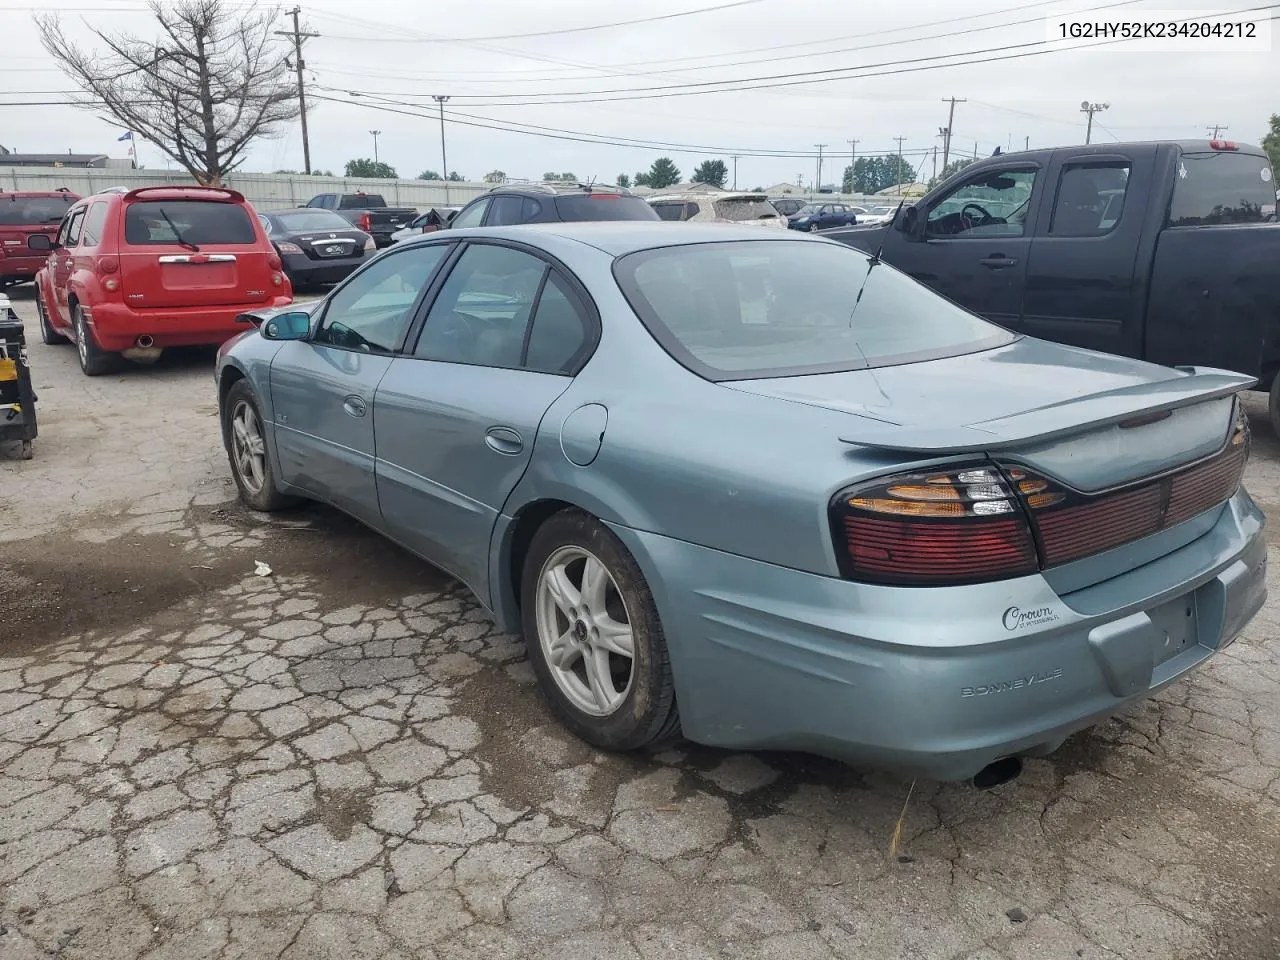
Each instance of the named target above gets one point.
<point>33,211</point>
<point>743,209</point>
<point>154,222</point>
<point>750,309</point>
<point>601,206</point>
<point>1221,187</point>
<point>313,220</point>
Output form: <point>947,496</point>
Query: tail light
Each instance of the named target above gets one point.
<point>369,245</point>
<point>952,526</point>
<point>273,262</point>
<point>366,222</point>
<point>108,264</point>
<point>111,284</point>
<point>284,246</point>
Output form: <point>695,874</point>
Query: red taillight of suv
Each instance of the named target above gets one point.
<point>366,222</point>
<point>953,526</point>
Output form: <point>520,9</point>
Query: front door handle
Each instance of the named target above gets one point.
<point>354,405</point>
<point>998,261</point>
<point>504,440</point>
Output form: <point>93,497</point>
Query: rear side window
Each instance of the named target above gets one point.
<point>669,211</point>
<point>93,224</point>
<point>1090,199</point>
<point>505,210</point>
<point>33,211</point>
<point>1221,187</point>
<point>603,206</point>
<point>166,222</point>
<point>561,335</point>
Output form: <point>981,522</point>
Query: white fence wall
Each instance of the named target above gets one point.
<point>266,191</point>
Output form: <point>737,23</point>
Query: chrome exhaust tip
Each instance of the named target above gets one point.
<point>998,772</point>
<point>145,341</point>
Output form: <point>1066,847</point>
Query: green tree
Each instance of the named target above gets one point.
<point>364,167</point>
<point>663,173</point>
<point>495,176</point>
<point>865,175</point>
<point>1271,144</point>
<point>624,180</point>
<point>454,176</point>
<point>713,172</point>
<point>952,168</point>
<point>641,179</point>
<point>429,175</point>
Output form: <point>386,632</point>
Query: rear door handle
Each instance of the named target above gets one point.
<point>354,405</point>
<point>998,261</point>
<point>504,440</point>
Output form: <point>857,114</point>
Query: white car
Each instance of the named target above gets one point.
<point>877,215</point>
<point>437,218</point>
<point>746,208</point>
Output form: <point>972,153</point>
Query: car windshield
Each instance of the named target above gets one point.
<point>603,206</point>
<point>750,309</point>
<point>312,220</point>
<point>149,222</point>
<point>744,208</point>
<point>33,211</point>
<point>809,209</point>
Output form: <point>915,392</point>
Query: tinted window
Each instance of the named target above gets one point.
<point>991,205</point>
<point>33,211</point>
<point>530,210</point>
<point>93,224</point>
<point>193,221</point>
<point>1090,199</point>
<point>73,231</point>
<point>360,201</point>
<point>603,206</point>
<point>669,211</point>
<point>505,210</point>
<point>373,310</point>
<point>743,209</point>
<point>312,220</point>
<point>483,308</point>
<point>561,333</point>
<point>691,210</point>
<point>472,215</point>
<point>1221,188</point>
<point>773,308</point>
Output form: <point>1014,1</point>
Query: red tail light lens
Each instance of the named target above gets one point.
<point>286,246</point>
<point>952,526</point>
<point>366,222</point>
<point>108,264</point>
<point>274,262</point>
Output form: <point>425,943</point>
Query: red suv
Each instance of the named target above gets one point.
<point>130,273</point>
<point>21,215</point>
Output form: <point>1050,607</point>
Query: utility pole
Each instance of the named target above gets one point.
<point>799,181</point>
<point>853,161</point>
<point>444,157</point>
<point>375,144</point>
<point>898,173</point>
<point>1026,143</point>
<point>1091,109</point>
<point>735,171</point>
<point>817,180</point>
<point>935,165</point>
<point>298,35</point>
<point>1217,128</point>
<point>946,131</point>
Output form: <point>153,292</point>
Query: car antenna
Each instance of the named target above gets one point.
<point>875,260</point>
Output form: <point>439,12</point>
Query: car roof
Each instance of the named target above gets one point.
<point>558,189</point>
<point>723,195</point>
<point>619,237</point>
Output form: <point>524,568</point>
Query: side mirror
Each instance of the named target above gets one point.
<point>294,325</point>
<point>41,242</point>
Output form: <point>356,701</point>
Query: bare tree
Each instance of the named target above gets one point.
<point>202,92</point>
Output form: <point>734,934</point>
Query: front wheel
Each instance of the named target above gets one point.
<point>813,228</point>
<point>246,444</point>
<point>594,637</point>
<point>94,361</point>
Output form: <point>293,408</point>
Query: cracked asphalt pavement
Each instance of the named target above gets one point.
<point>344,759</point>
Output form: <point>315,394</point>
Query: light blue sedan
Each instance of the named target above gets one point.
<point>762,491</point>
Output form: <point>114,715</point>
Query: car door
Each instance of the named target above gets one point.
<point>974,241</point>
<point>1081,285</point>
<point>68,238</point>
<point>456,418</point>
<point>322,388</point>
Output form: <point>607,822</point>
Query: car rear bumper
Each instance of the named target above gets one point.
<point>303,269</point>
<point>931,681</point>
<point>117,327</point>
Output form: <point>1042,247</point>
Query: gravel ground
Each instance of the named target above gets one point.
<point>346,760</point>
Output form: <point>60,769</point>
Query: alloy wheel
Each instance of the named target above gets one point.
<point>248,450</point>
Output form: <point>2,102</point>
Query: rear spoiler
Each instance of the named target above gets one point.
<point>1196,385</point>
<point>193,192</point>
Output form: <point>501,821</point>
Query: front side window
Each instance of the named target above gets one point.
<point>167,222</point>
<point>372,311</point>
<point>483,309</point>
<point>505,211</point>
<point>1090,199</point>
<point>93,224</point>
<point>472,216</point>
<point>1221,187</point>
<point>989,205</point>
<point>773,308</point>
<point>73,230</point>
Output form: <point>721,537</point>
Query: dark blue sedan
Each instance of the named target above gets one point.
<point>822,216</point>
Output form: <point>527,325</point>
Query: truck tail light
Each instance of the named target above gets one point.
<point>1223,145</point>
<point>950,526</point>
<point>108,264</point>
<point>274,262</point>
<point>366,222</point>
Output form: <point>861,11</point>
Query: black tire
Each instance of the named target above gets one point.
<point>647,715</point>
<point>1273,405</point>
<point>813,228</point>
<point>94,361</point>
<point>262,496</point>
<point>47,333</point>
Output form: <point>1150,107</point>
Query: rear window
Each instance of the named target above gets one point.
<point>744,209</point>
<point>744,310</point>
<point>603,207</point>
<point>669,211</point>
<point>33,211</point>
<point>360,201</point>
<point>312,220</point>
<point>154,222</point>
<point>1221,188</point>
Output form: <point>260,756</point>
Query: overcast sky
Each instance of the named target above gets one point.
<point>393,51</point>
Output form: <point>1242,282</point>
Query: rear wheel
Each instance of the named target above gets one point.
<point>94,361</point>
<point>246,444</point>
<point>47,333</point>
<point>594,637</point>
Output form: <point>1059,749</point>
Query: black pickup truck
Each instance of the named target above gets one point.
<point>1163,251</point>
<point>367,212</point>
